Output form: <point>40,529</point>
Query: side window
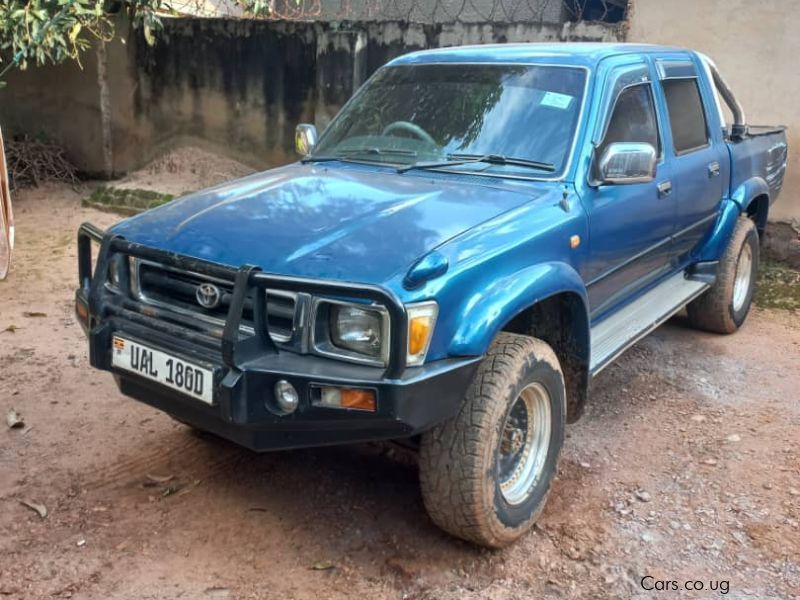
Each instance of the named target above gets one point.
<point>687,118</point>
<point>633,119</point>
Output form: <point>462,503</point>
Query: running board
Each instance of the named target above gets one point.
<point>615,334</point>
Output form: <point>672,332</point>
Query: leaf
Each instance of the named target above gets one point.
<point>11,328</point>
<point>39,509</point>
<point>148,35</point>
<point>33,314</point>
<point>323,566</point>
<point>170,490</point>
<point>74,32</point>
<point>14,419</point>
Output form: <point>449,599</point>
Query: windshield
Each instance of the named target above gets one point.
<point>437,112</point>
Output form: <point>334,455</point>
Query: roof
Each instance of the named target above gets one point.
<point>572,53</point>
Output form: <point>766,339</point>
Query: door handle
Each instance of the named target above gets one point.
<point>664,188</point>
<point>713,169</point>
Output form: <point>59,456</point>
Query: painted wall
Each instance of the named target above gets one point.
<point>755,45</point>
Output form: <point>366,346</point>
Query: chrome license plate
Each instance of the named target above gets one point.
<point>164,368</point>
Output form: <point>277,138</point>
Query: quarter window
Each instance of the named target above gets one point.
<point>633,119</point>
<point>686,116</point>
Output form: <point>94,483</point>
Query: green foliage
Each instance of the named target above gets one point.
<point>51,31</point>
<point>39,32</point>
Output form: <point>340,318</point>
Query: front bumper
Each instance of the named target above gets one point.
<point>409,400</point>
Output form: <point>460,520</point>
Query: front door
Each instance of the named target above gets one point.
<point>630,225</point>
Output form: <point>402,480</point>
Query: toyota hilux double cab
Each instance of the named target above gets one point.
<point>474,237</point>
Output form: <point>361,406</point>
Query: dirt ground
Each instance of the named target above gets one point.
<point>686,467</point>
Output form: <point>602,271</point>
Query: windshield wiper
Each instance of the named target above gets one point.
<point>378,151</point>
<point>348,152</point>
<point>454,160</point>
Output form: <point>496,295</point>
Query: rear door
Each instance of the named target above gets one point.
<point>699,163</point>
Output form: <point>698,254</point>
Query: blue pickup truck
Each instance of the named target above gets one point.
<point>475,236</point>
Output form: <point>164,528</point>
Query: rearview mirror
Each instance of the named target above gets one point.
<point>305,138</point>
<point>627,162</point>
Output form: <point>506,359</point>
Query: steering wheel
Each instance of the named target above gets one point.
<point>411,128</point>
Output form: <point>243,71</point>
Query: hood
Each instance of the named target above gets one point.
<point>343,223</point>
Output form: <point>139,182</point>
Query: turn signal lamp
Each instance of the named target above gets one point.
<point>353,398</point>
<point>82,312</point>
<point>421,321</point>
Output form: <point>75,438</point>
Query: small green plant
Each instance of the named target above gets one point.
<point>124,200</point>
<point>778,286</point>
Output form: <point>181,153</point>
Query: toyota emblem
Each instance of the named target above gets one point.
<point>208,295</point>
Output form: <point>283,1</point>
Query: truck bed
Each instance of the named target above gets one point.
<point>762,152</point>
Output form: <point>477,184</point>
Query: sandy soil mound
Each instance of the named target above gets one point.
<point>182,170</point>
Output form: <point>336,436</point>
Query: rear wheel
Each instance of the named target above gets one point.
<point>724,307</point>
<point>486,473</point>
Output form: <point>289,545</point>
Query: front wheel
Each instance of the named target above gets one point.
<point>486,473</point>
<point>724,307</point>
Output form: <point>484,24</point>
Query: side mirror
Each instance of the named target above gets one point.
<point>305,138</point>
<point>627,162</point>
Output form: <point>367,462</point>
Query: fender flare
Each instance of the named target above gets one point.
<point>717,240</point>
<point>729,212</point>
<point>748,190</point>
<point>484,316</point>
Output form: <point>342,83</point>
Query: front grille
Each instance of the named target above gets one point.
<point>177,290</point>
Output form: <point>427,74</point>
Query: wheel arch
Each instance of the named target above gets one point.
<point>561,320</point>
<point>753,198</point>
<point>758,210</point>
<point>548,301</point>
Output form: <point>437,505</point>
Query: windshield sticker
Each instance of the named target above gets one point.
<point>556,100</point>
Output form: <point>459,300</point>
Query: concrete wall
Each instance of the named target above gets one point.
<point>60,103</point>
<point>756,46</point>
<point>237,87</point>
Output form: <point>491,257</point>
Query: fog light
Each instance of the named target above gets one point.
<point>334,397</point>
<point>286,396</point>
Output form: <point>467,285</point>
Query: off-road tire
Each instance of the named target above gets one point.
<point>714,311</point>
<point>458,458</point>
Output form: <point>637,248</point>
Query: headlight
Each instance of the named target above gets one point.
<point>351,331</point>
<point>360,332</point>
<point>421,321</point>
<point>356,329</point>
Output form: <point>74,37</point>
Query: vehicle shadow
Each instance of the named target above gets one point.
<point>357,504</point>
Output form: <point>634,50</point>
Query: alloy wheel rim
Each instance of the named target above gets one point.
<point>741,282</point>
<point>524,444</point>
